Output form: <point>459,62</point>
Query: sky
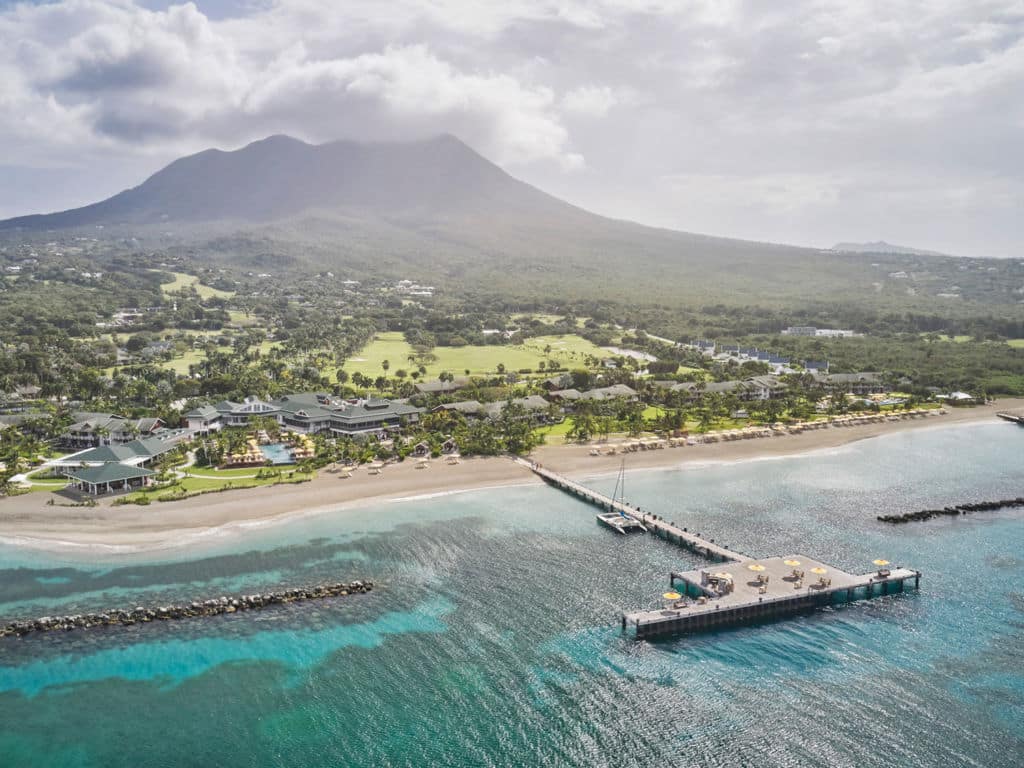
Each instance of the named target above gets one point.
<point>798,121</point>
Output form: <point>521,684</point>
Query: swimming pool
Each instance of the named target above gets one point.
<point>277,453</point>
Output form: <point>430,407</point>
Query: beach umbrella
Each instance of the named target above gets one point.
<point>880,562</point>
<point>791,562</point>
<point>756,567</point>
<point>671,596</point>
<point>723,575</point>
<point>819,570</point>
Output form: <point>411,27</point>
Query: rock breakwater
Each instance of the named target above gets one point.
<point>212,607</point>
<point>960,509</point>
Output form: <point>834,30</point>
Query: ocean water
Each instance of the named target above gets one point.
<point>493,636</point>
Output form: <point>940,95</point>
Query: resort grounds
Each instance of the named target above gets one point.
<point>31,521</point>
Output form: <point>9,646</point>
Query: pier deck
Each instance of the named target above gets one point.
<point>666,530</point>
<point>744,601</point>
<point>1017,416</point>
<point>739,589</point>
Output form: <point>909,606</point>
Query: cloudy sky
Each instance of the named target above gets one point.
<point>801,121</point>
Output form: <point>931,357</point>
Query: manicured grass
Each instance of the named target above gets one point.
<point>216,474</point>
<point>569,351</point>
<point>182,280</point>
<point>1016,343</point>
<point>194,484</point>
<point>180,364</point>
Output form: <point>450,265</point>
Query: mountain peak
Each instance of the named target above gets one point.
<point>280,177</point>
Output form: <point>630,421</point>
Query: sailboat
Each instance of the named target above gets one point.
<point>616,519</point>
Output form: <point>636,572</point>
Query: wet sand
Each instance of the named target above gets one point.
<point>28,520</point>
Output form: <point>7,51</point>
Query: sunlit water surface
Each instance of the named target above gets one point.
<point>493,636</point>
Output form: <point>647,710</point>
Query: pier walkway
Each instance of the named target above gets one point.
<point>666,530</point>
<point>741,589</point>
<point>1017,417</point>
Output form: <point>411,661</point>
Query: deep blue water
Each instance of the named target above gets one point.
<point>493,637</point>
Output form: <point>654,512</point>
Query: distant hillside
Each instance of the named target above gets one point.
<point>883,247</point>
<point>435,210</point>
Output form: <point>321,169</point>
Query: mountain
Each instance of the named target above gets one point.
<point>281,177</point>
<point>883,247</point>
<point>436,211</point>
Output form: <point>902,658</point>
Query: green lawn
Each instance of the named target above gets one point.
<point>1016,343</point>
<point>193,484</point>
<point>182,280</point>
<point>570,351</point>
<point>217,474</point>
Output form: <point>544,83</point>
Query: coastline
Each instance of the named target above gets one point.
<point>27,521</point>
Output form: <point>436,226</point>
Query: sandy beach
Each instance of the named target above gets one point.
<point>29,521</point>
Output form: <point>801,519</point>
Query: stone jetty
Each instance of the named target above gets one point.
<point>959,509</point>
<point>212,607</point>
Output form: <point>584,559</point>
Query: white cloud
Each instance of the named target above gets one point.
<point>590,100</point>
<point>768,111</point>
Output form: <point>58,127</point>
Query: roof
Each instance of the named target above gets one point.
<point>464,406</point>
<point>531,403</point>
<point>110,473</point>
<point>202,412</point>
<point>605,393</point>
<point>853,378</point>
<point>135,450</point>
<point>436,385</point>
<point>566,394</point>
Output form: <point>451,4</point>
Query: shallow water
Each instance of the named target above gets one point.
<point>493,637</point>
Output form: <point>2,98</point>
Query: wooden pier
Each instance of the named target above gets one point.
<point>652,523</point>
<point>740,589</point>
<point>1017,417</point>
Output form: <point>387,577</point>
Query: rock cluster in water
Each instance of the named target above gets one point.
<point>212,607</point>
<point>960,509</point>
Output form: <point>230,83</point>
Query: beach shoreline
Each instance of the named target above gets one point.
<point>29,522</point>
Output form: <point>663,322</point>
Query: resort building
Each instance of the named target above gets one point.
<point>135,453</point>
<point>468,408</point>
<point>92,429</point>
<point>866,383</point>
<point>535,407</point>
<point>307,413</point>
<point>609,393</point>
<point>108,478</point>
<point>438,387</point>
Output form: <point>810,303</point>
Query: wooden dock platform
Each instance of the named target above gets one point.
<point>740,589</point>
<point>760,590</point>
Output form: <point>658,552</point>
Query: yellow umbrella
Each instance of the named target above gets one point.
<point>791,562</point>
<point>723,575</point>
<point>756,567</point>
<point>671,595</point>
<point>819,570</point>
<point>880,562</point>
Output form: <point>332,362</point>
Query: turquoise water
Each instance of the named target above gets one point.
<point>277,453</point>
<point>492,639</point>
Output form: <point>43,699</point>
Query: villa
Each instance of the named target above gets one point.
<point>93,429</point>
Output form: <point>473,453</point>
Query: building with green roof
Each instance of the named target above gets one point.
<point>108,478</point>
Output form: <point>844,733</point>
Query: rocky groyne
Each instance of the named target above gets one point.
<point>212,607</point>
<point>960,509</point>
